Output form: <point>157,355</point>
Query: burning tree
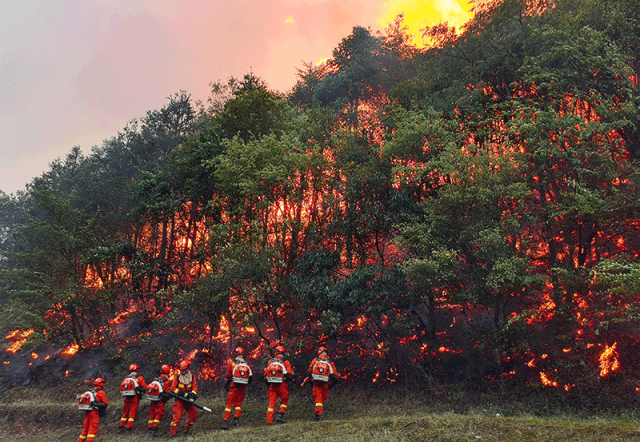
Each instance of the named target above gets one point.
<point>468,209</point>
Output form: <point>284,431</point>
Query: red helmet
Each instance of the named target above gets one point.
<point>239,351</point>
<point>279,349</point>
<point>134,367</point>
<point>322,350</point>
<point>99,382</point>
<point>165,369</point>
<point>185,365</point>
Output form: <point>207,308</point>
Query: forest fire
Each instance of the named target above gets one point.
<point>482,226</point>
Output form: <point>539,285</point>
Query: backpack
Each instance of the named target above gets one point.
<point>241,373</point>
<point>128,387</point>
<point>321,371</point>
<point>85,400</point>
<point>275,372</point>
<point>154,391</point>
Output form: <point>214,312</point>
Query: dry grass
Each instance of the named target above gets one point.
<point>34,415</point>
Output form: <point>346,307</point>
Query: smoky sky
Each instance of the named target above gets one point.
<point>74,72</point>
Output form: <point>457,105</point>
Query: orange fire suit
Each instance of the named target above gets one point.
<point>279,390</point>
<point>157,408</point>
<point>131,404</point>
<point>183,384</point>
<point>92,419</point>
<point>237,390</point>
<point>321,388</point>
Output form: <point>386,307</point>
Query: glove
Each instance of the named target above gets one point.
<point>288,377</point>
<point>141,390</point>
<point>227,385</point>
<point>333,380</point>
<point>193,397</point>
<point>98,404</point>
<point>250,379</point>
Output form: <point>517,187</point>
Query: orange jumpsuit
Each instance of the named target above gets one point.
<point>131,404</point>
<point>320,388</point>
<point>157,408</point>
<point>236,393</point>
<point>278,390</point>
<point>92,419</point>
<point>181,384</point>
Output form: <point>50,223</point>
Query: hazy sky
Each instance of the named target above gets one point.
<point>74,72</point>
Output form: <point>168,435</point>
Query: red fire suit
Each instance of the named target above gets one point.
<point>183,384</point>
<point>278,389</point>
<point>157,408</point>
<point>131,404</point>
<point>238,389</point>
<point>321,387</point>
<point>92,418</point>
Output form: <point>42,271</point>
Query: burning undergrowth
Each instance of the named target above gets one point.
<point>369,351</point>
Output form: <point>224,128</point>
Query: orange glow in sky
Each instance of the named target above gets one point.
<point>82,69</point>
<point>419,14</point>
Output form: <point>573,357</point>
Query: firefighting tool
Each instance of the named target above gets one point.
<point>189,401</point>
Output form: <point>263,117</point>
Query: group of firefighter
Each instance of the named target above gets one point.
<point>183,388</point>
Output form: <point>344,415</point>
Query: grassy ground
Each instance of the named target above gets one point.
<point>34,415</point>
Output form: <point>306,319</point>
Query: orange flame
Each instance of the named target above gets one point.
<point>609,360</point>
<point>19,337</point>
<point>546,381</point>
<point>71,350</point>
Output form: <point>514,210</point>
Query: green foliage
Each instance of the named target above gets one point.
<point>480,196</point>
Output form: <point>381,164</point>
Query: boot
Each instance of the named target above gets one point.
<point>155,432</point>
<point>236,422</point>
<point>318,418</point>
<point>223,425</point>
<point>280,418</point>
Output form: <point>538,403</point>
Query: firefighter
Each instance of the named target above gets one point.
<point>94,403</point>
<point>157,395</point>
<point>324,375</point>
<point>277,374</point>
<point>184,385</point>
<point>131,388</point>
<point>238,376</point>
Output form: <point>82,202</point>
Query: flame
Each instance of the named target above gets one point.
<point>419,14</point>
<point>546,381</point>
<point>71,350</point>
<point>19,337</point>
<point>609,360</point>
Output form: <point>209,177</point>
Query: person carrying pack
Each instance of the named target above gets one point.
<point>277,374</point>
<point>131,388</point>
<point>184,385</point>
<point>156,394</point>
<point>238,376</point>
<point>93,403</point>
<point>324,375</point>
